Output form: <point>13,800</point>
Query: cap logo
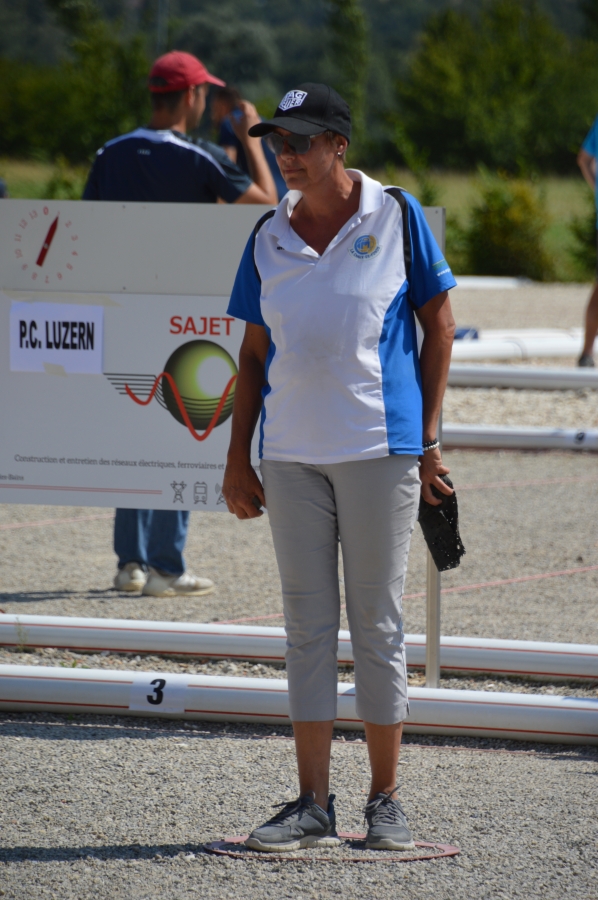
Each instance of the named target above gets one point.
<point>365,246</point>
<point>292,99</point>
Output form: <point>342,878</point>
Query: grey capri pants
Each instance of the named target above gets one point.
<point>371,507</point>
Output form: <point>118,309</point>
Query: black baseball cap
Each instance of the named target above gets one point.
<point>309,109</point>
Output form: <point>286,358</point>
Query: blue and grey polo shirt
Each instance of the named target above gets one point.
<point>150,166</point>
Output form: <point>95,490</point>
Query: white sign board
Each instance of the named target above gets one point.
<point>119,362</point>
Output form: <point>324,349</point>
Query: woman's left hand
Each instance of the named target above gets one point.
<point>431,467</point>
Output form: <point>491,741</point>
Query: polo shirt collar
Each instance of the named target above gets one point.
<point>372,198</point>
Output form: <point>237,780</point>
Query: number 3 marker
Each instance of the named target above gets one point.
<point>164,695</point>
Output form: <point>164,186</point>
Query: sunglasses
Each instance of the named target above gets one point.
<point>298,143</point>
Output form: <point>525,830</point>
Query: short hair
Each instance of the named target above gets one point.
<point>331,137</point>
<point>227,94</point>
<point>170,99</point>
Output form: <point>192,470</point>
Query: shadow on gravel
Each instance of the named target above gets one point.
<point>106,852</point>
<point>40,596</point>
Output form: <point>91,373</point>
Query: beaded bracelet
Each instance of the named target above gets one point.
<point>431,445</point>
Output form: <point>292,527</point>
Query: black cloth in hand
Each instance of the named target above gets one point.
<point>440,526</point>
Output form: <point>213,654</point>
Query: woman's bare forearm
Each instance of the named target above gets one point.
<point>434,360</point>
<point>247,406</point>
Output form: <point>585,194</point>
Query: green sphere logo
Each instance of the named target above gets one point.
<point>201,371</point>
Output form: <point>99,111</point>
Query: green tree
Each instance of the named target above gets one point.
<point>349,52</point>
<point>106,78</point>
<point>507,89</point>
<point>239,51</point>
<point>589,10</point>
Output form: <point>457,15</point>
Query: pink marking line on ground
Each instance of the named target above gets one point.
<point>57,521</point>
<point>488,584</point>
<point>452,590</point>
<point>581,479</point>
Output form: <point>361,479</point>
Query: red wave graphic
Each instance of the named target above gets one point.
<point>181,405</point>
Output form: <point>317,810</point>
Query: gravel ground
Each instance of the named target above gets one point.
<point>506,406</point>
<point>104,808</point>
<point>109,808</point>
<point>521,514</point>
<point>530,306</point>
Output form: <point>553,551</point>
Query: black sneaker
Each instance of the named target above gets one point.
<point>387,824</point>
<point>586,361</point>
<point>299,824</point>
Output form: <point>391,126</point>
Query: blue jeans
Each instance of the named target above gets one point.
<point>151,537</point>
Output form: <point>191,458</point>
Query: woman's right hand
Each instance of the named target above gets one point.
<point>240,488</point>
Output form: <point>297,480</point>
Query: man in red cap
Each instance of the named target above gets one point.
<point>160,163</point>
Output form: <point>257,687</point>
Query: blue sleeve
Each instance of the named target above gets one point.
<point>245,298</point>
<point>226,179</point>
<point>590,144</point>
<point>226,135</point>
<point>430,272</point>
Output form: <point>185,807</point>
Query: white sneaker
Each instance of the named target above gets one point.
<point>158,585</point>
<point>130,578</point>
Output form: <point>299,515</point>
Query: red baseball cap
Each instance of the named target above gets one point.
<point>176,71</point>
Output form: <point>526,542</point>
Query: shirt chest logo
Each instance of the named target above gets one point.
<point>366,246</point>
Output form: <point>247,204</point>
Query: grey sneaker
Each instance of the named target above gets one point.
<point>586,361</point>
<point>299,824</point>
<point>387,825</point>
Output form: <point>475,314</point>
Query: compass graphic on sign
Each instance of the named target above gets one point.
<point>196,386</point>
<point>45,246</point>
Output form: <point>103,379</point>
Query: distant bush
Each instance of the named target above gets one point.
<point>583,229</point>
<point>504,234</point>
<point>66,182</point>
<point>502,86</point>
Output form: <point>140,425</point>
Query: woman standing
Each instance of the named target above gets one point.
<point>329,285</point>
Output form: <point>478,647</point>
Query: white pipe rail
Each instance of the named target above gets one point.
<point>507,437</point>
<point>211,698</point>
<point>521,343</point>
<point>523,377</point>
<point>535,659</point>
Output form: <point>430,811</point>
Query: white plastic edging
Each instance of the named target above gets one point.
<point>511,348</point>
<point>210,698</point>
<point>537,659</point>
<point>506,437</point>
<point>522,377</point>
<point>490,282</point>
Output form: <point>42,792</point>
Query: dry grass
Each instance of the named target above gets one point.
<point>565,198</point>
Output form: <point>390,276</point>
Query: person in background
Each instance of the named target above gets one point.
<point>159,163</point>
<point>3,189</point>
<point>586,160</point>
<point>227,106</point>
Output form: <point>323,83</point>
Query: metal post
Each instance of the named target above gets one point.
<point>433,611</point>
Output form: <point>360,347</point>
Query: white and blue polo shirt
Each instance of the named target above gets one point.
<point>343,377</point>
